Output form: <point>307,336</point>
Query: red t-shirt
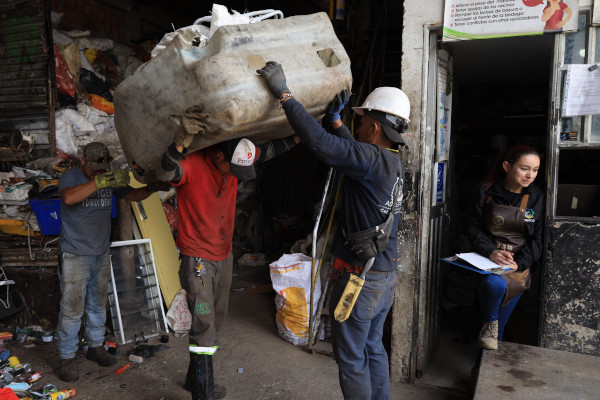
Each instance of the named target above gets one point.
<point>551,24</point>
<point>206,208</point>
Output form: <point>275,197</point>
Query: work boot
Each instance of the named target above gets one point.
<point>488,337</point>
<point>67,370</point>
<point>101,356</point>
<point>203,384</point>
<point>220,390</point>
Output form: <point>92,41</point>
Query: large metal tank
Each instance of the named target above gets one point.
<point>222,77</point>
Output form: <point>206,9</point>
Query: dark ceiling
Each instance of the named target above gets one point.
<point>188,8</point>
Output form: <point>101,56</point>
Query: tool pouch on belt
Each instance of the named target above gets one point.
<point>368,243</point>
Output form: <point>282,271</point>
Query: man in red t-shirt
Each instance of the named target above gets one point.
<point>206,183</point>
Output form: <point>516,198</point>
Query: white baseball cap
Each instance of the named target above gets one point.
<point>241,154</point>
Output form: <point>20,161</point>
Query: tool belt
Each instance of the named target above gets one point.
<point>368,243</point>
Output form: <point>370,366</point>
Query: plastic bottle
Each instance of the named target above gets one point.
<point>61,395</point>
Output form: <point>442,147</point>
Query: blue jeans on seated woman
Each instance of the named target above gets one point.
<point>357,346</point>
<point>491,292</point>
<point>84,288</point>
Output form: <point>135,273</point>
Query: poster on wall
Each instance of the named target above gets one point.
<point>444,106</point>
<point>487,19</point>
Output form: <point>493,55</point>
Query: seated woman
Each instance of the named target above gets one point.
<point>504,223</point>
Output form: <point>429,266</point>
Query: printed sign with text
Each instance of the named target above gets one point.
<point>486,19</point>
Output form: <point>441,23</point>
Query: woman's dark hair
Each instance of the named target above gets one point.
<point>510,155</point>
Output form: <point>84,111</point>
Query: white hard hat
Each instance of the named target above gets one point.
<point>389,100</point>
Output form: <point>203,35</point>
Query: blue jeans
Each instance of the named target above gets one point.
<point>491,291</point>
<point>357,346</point>
<point>84,287</point>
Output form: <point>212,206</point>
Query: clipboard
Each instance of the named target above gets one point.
<point>454,260</point>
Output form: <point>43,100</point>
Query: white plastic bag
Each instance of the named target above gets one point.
<point>291,281</point>
<point>179,317</point>
<point>65,140</point>
<point>221,17</point>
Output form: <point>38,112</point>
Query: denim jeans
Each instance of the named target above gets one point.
<point>491,292</point>
<point>84,287</point>
<point>357,346</point>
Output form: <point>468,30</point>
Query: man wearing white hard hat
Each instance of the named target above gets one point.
<point>206,182</point>
<point>371,197</point>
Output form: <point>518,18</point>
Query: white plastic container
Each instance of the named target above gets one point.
<point>222,76</point>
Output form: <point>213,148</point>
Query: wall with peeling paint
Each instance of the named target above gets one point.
<point>571,297</point>
<point>417,15</point>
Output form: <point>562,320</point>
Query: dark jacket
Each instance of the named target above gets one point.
<point>479,235</point>
<point>373,178</point>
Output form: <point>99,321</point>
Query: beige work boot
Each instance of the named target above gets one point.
<point>488,337</point>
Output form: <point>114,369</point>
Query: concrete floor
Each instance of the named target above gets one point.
<point>252,362</point>
<point>519,372</point>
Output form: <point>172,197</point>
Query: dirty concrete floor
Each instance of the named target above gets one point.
<point>252,362</point>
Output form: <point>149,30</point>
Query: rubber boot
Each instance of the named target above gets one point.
<point>203,384</point>
<point>220,391</point>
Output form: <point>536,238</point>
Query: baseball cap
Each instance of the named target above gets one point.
<point>241,154</point>
<point>389,123</point>
<point>97,156</point>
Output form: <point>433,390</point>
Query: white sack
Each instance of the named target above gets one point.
<point>291,281</point>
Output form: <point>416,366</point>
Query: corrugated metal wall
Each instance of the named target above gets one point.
<point>25,70</point>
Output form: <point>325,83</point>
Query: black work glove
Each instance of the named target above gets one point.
<point>273,73</point>
<point>336,106</point>
<point>158,186</point>
<point>193,122</point>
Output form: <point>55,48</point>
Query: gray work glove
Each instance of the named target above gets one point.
<point>158,186</point>
<point>336,106</point>
<point>117,178</point>
<point>193,122</point>
<point>273,74</point>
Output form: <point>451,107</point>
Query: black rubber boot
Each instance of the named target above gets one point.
<point>203,384</point>
<point>220,390</point>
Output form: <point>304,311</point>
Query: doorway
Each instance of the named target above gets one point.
<point>500,98</point>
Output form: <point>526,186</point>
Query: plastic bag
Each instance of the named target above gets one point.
<point>64,79</point>
<point>221,17</point>
<point>94,85</point>
<point>101,104</point>
<point>179,317</point>
<point>70,53</point>
<point>171,215</point>
<point>291,281</point>
<point>65,139</point>
<point>79,124</point>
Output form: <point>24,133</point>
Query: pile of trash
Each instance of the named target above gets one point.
<point>88,70</point>
<point>18,379</point>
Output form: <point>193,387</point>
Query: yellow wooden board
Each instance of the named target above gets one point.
<point>17,227</point>
<point>153,225</point>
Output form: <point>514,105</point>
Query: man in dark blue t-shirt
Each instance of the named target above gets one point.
<point>86,203</point>
<point>371,189</point>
